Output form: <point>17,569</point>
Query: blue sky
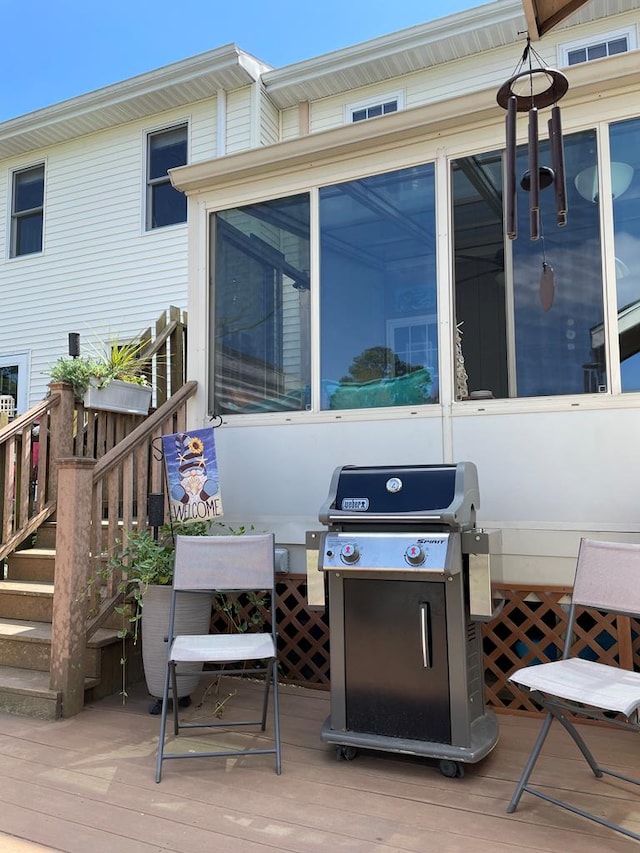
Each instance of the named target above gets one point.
<point>57,49</point>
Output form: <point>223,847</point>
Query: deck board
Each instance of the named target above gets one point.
<point>87,784</point>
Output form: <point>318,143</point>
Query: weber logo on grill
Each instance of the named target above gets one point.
<point>355,504</point>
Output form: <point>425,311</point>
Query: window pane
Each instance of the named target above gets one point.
<point>169,205</point>
<point>378,328</point>
<point>262,308</point>
<point>625,157</point>
<point>28,234</point>
<point>28,189</point>
<point>9,380</point>
<point>167,150</point>
<point>618,46</point>
<point>511,345</point>
<point>597,51</point>
<point>576,56</point>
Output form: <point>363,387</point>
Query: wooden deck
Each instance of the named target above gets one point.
<point>86,785</point>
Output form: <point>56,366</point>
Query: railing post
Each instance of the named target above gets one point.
<point>61,427</point>
<point>68,631</point>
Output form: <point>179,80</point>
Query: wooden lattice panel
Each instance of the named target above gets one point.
<point>529,629</point>
<point>303,634</point>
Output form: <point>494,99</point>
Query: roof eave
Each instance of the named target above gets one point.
<point>172,85</point>
<point>286,86</point>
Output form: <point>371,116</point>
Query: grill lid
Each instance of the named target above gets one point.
<point>410,494</point>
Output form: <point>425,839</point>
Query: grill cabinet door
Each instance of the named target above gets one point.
<point>392,628</point>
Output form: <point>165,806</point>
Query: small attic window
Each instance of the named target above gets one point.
<point>373,108</point>
<point>598,47</point>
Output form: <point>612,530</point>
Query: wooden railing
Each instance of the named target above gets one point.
<point>99,503</point>
<point>27,482</point>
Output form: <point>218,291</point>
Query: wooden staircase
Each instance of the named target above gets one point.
<point>26,602</point>
<point>92,471</point>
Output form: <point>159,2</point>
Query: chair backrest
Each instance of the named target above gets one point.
<point>608,576</point>
<point>225,562</point>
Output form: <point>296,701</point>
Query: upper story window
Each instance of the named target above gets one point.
<point>372,108</point>
<point>604,44</point>
<point>166,149</point>
<point>27,211</point>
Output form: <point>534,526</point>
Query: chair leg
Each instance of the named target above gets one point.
<point>174,694</point>
<point>577,739</point>
<point>265,699</point>
<point>276,718</point>
<point>163,725</point>
<point>533,757</point>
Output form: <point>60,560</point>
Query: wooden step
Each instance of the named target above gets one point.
<point>33,564</point>
<point>46,535</point>
<point>26,600</point>
<point>27,644</point>
<point>27,692</point>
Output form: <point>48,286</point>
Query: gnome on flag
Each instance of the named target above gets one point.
<point>193,475</point>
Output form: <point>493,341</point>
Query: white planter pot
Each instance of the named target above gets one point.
<point>193,616</point>
<point>119,396</point>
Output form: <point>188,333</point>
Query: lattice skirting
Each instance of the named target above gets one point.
<point>529,629</point>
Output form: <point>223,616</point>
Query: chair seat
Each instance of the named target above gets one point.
<point>584,681</point>
<point>222,648</point>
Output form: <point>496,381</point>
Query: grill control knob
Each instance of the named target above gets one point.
<point>414,555</point>
<point>349,553</point>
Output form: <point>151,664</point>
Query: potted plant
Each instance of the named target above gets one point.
<point>112,378</point>
<point>146,563</point>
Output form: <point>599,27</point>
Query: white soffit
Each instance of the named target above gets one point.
<point>467,33</point>
<point>166,88</point>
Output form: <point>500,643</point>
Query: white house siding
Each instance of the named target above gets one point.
<point>269,121</point>
<point>203,137</point>
<point>239,120</point>
<point>289,124</point>
<point>100,274</point>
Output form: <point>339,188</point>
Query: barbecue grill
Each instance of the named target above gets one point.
<point>406,649</point>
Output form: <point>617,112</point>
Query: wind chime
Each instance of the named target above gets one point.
<point>522,93</point>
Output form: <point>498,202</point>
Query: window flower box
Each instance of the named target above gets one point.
<point>118,396</point>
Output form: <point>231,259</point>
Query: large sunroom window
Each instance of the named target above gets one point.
<point>261,308</point>
<point>625,189</point>
<point>378,324</point>
<point>514,343</point>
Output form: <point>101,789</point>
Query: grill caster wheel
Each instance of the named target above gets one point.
<point>346,753</point>
<point>451,769</point>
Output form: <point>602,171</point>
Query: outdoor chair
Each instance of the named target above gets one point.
<point>206,564</point>
<point>607,580</point>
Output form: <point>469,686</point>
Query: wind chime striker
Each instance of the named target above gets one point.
<point>531,89</point>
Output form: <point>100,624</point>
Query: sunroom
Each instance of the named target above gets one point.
<point>354,299</point>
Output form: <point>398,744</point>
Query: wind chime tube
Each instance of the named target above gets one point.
<point>557,162</point>
<point>510,205</point>
<point>534,176</point>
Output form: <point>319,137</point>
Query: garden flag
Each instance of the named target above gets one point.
<point>192,476</point>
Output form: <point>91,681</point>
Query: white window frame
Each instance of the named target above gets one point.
<point>373,101</point>
<point>148,227</point>
<point>14,216</point>
<point>630,33</point>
